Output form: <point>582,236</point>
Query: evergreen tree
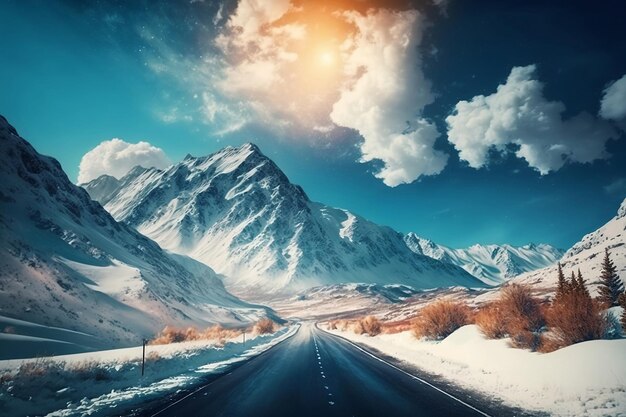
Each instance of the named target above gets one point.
<point>561,283</point>
<point>611,285</point>
<point>581,284</point>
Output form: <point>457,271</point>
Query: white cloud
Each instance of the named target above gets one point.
<point>116,157</point>
<point>613,104</point>
<point>617,187</point>
<point>385,94</point>
<point>518,118</point>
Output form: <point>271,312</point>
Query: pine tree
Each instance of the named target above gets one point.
<point>573,284</point>
<point>622,302</point>
<point>611,285</point>
<point>561,283</point>
<point>581,284</point>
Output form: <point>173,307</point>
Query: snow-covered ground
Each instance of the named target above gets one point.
<point>586,379</point>
<point>96,383</point>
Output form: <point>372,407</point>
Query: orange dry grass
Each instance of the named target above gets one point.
<point>174,335</point>
<point>490,321</point>
<point>265,326</point>
<point>522,316</point>
<point>438,320</point>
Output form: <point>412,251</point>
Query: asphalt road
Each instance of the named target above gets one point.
<point>316,374</point>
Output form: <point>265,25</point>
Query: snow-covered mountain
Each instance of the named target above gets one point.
<point>65,262</point>
<point>587,255</point>
<point>102,187</point>
<point>236,211</point>
<point>492,264</point>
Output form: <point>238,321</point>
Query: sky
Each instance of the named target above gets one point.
<point>465,122</point>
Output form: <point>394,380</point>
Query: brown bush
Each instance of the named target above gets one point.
<point>174,335</point>
<point>490,321</point>
<point>264,326</point>
<point>169,335</point>
<point>440,319</point>
<point>371,325</point>
<point>39,368</point>
<point>522,315</point>
<point>332,325</point>
<point>89,370</point>
<point>397,326</point>
<point>219,333</point>
<point>358,327</point>
<point>342,325</point>
<point>574,318</point>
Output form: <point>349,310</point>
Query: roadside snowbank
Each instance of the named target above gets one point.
<point>586,379</point>
<point>94,383</point>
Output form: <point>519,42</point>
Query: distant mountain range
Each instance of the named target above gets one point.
<point>237,212</point>
<point>65,262</point>
<point>493,264</point>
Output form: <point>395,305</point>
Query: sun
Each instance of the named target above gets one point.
<point>326,58</point>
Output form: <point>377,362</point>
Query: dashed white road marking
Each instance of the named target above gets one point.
<point>410,375</point>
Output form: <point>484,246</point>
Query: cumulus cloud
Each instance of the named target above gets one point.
<point>385,94</point>
<point>518,118</point>
<point>613,104</point>
<point>116,157</point>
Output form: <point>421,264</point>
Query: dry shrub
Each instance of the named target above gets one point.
<point>89,370</point>
<point>342,325</point>
<point>357,328</point>
<point>399,326</point>
<point>264,326</point>
<point>39,368</point>
<point>174,335</point>
<point>522,315</point>
<point>332,325</point>
<point>220,333</point>
<point>5,378</point>
<point>370,325</point>
<point>169,335</point>
<point>438,320</point>
<point>153,356</point>
<point>574,318</point>
<point>490,321</point>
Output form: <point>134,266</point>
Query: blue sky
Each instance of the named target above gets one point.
<point>74,76</point>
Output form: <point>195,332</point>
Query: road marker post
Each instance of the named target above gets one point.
<point>143,357</point>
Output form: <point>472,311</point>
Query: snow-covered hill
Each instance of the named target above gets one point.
<point>493,264</point>
<point>65,262</point>
<point>587,255</point>
<point>236,211</point>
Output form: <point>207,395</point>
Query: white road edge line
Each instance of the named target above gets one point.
<point>409,374</point>
<point>247,360</point>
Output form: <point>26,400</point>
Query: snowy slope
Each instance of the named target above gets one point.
<point>65,262</point>
<point>587,255</point>
<point>236,211</point>
<point>575,381</point>
<point>492,264</point>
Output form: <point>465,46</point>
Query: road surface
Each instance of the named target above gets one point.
<point>316,374</point>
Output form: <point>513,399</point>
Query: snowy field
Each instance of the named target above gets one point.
<point>586,379</point>
<point>110,382</point>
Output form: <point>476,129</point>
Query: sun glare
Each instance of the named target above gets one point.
<point>326,59</point>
